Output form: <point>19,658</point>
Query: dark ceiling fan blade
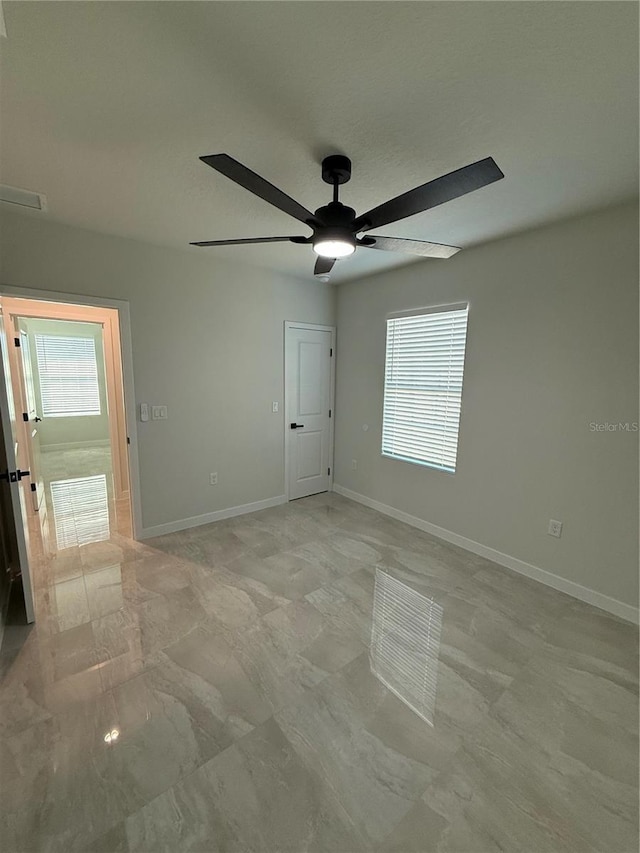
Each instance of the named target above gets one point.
<point>431,194</point>
<point>411,247</point>
<point>323,267</point>
<point>258,186</point>
<point>250,240</point>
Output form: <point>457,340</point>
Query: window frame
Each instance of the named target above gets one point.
<point>418,312</point>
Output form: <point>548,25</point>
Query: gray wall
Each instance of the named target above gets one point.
<point>207,343</point>
<point>83,429</point>
<point>552,346</point>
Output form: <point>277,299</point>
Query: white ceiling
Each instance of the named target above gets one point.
<point>107,106</point>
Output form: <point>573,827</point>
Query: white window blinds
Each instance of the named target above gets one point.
<point>68,375</point>
<point>423,386</point>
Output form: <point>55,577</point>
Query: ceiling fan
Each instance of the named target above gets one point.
<point>336,228</point>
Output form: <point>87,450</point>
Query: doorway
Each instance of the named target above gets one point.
<point>68,439</point>
<point>309,396</point>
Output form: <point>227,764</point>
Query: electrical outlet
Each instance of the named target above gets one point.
<point>274,407</point>
<point>213,479</point>
<point>354,464</point>
<point>555,528</point>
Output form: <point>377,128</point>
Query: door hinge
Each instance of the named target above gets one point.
<point>33,487</point>
<point>16,342</point>
<point>128,440</point>
<point>329,412</point>
<point>330,351</point>
<point>25,417</point>
<point>328,470</point>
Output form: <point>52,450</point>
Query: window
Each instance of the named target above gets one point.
<point>423,386</point>
<point>68,374</point>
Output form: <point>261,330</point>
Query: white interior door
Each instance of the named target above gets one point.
<point>12,499</point>
<point>309,389</point>
<point>32,417</point>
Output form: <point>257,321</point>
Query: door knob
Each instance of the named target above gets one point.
<point>297,426</point>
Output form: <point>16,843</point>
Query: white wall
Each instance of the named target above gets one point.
<point>552,346</point>
<point>82,429</point>
<point>207,343</point>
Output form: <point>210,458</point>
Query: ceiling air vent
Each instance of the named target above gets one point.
<point>23,198</point>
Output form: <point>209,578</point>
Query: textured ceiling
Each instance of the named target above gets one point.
<point>107,106</point>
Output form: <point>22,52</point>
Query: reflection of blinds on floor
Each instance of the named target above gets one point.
<point>80,510</point>
<point>68,374</point>
<point>405,641</point>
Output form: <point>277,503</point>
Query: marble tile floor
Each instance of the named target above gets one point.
<point>76,462</point>
<point>210,690</point>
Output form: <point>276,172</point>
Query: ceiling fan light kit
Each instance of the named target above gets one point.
<point>334,247</point>
<point>336,227</point>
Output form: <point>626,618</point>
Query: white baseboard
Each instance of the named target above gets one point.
<point>584,593</point>
<point>208,517</point>
<point>75,445</point>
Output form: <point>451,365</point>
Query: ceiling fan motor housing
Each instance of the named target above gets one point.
<point>337,223</point>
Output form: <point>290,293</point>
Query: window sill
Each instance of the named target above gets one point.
<point>419,462</point>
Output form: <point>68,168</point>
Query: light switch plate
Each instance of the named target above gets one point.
<point>158,413</point>
<point>274,407</point>
<point>144,412</point>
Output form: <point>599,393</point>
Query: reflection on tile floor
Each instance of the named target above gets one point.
<point>211,690</point>
<point>405,643</point>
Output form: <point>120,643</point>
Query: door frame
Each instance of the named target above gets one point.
<point>46,310</point>
<point>292,324</point>
<point>126,353</point>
